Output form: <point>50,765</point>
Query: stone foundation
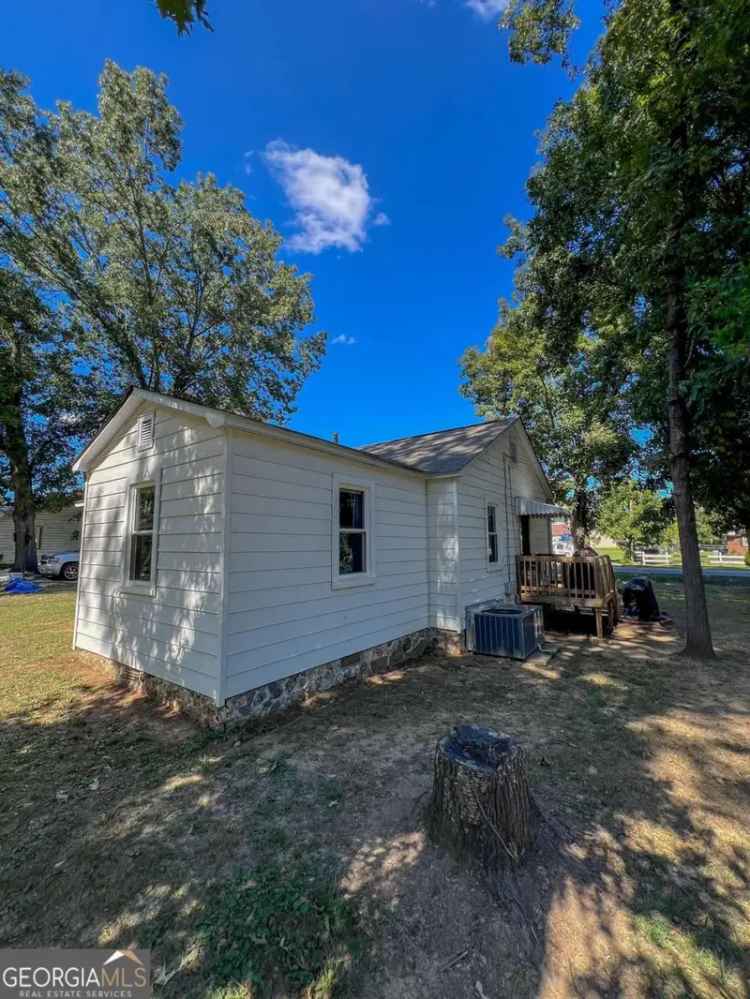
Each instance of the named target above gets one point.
<point>280,695</point>
<point>196,706</point>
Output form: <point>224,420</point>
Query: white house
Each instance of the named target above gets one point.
<point>238,566</point>
<point>56,530</point>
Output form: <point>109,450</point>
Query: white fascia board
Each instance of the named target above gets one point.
<point>218,418</point>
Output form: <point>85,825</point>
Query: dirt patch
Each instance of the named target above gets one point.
<point>121,826</point>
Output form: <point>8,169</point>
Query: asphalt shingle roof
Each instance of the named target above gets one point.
<point>443,452</point>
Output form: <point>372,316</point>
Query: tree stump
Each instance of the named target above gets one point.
<point>481,805</point>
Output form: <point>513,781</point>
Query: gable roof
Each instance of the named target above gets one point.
<point>442,452</point>
<point>217,418</point>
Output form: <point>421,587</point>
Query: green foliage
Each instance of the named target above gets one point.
<point>185,13</point>
<point>173,287</point>
<point>538,30</point>
<point>116,275</point>
<point>633,515</point>
<point>640,234</point>
<point>44,400</point>
<point>277,929</point>
<point>720,307</point>
<point>708,526</point>
<point>583,436</point>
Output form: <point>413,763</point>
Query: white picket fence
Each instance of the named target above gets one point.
<point>708,558</point>
<point>653,558</point>
<point>719,558</point>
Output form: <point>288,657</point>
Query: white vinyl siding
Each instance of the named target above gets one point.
<point>245,588</point>
<point>284,613</point>
<point>442,525</point>
<point>175,634</point>
<point>492,478</point>
<point>60,532</point>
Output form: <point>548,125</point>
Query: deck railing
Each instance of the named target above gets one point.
<point>574,582</point>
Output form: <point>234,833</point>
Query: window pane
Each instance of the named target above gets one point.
<point>144,510</point>
<point>351,553</point>
<point>491,519</point>
<point>493,547</point>
<point>140,557</point>
<point>351,509</point>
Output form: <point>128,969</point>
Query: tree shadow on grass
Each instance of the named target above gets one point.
<point>123,826</point>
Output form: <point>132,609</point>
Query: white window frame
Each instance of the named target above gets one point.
<point>491,566</point>
<point>137,586</point>
<point>340,581</point>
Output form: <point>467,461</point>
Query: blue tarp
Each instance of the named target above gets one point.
<point>22,586</point>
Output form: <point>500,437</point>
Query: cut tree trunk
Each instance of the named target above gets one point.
<point>481,806</point>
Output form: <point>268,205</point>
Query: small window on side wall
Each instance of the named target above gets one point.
<point>141,540</point>
<point>352,541</point>
<point>492,540</point>
<point>352,532</point>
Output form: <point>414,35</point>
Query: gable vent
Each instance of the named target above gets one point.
<point>146,430</point>
<point>513,451</point>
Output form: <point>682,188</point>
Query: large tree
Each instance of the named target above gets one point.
<point>642,195</point>
<point>585,441</point>
<point>46,405</point>
<point>632,515</point>
<point>172,286</point>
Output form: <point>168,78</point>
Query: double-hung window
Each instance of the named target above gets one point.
<point>492,539</point>
<point>352,541</point>
<point>141,548</point>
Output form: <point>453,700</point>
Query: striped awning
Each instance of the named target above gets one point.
<point>535,508</point>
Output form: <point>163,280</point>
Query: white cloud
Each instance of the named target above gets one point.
<point>486,9</point>
<point>343,339</point>
<point>330,197</point>
<point>248,166</point>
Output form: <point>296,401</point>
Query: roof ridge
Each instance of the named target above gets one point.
<point>433,433</point>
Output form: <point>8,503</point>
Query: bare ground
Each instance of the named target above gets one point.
<point>120,823</point>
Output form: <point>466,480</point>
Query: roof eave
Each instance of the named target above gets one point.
<point>217,418</point>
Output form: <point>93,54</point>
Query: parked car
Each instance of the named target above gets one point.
<point>61,565</point>
<point>560,547</point>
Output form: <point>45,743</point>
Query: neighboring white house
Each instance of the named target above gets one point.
<point>56,531</point>
<point>251,565</point>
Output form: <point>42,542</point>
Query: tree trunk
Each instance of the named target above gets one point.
<point>24,526</point>
<point>17,452</point>
<point>24,522</point>
<point>580,519</point>
<point>481,806</point>
<point>698,639</point>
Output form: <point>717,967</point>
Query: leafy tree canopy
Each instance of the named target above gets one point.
<point>584,440</point>
<point>171,286</point>
<point>185,13</point>
<point>633,515</point>
<point>120,275</point>
<point>640,219</point>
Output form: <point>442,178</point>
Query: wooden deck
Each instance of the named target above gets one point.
<point>576,583</point>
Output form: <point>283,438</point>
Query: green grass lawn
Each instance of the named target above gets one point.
<point>293,861</point>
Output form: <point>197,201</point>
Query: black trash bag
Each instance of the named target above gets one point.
<point>639,600</point>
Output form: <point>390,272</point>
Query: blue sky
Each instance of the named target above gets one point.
<point>385,139</point>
